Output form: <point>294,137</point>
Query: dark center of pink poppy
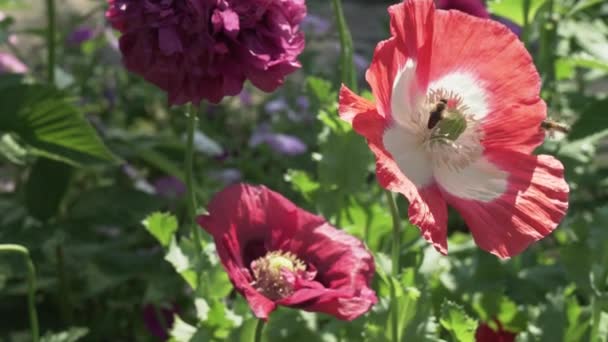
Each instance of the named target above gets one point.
<point>275,274</point>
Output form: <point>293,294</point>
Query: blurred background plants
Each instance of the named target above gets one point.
<point>88,152</point>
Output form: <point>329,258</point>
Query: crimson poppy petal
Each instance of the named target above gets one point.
<point>248,222</point>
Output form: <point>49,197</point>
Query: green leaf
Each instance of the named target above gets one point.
<point>514,9</point>
<point>50,124</point>
<point>12,150</point>
<point>302,183</point>
<point>71,335</point>
<point>181,331</point>
<point>321,90</point>
<point>181,263</point>
<point>582,5</point>
<point>591,120</point>
<point>162,226</point>
<point>202,309</point>
<point>457,322</point>
<point>114,205</point>
<point>583,150</point>
<point>46,187</point>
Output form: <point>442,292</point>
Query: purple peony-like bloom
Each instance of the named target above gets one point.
<point>80,35</point>
<point>206,49</point>
<point>288,145</point>
<point>10,64</point>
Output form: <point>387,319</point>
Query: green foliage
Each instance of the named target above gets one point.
<point>71,335</point>
<point>457,322</point>
<point>49,123</point>
<point>514,9</point>
<point>162,226</point>
<point>108,240</point>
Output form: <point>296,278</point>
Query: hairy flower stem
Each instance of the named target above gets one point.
<point>31,285</point>
<point>50,40</point>
<point>396,253</point>
<point>347,68</point>
<point>192,116</point>
<point>259,327</point>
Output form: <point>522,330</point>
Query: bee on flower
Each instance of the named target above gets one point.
<point>457,114</point>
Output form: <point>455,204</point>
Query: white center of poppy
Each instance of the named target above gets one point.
<point>448,152</point>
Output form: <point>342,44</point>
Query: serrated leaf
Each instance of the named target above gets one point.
<point>321,90</point>
<point>455,320</point>
<point>202,309</point>
<point>180,261</point>
<point>302,183</point>
<point>50,124</point>
<point>162,226</point>
<point>181,331</point>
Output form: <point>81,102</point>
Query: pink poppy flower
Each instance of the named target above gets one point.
<point>485,333</point>
<point>456,117</point>
<point>278,254</point>
<point>205,50</point>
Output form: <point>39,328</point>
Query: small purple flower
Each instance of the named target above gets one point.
<point>10,64</point>
<point>277,105</point>
<point>284,144</point>
<point>361,62</point>
<point>169,187</point>
<point>152,316</point>
<point>245,97</point>
<point>227,176</point>
<point>302,102</point>
<point>81,34</point>
<point>316,24</point>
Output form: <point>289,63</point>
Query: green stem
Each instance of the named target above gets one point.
<point>396,254</point>
<point>347,68</point>
<point>192,114</point>
<point>547,58</point>
<point>50,40</point>
<point>259,328</point>
<point>64,289</point>
<point>31,285</point>
<point>525,30</point>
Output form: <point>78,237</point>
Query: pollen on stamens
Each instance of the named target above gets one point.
<point>455,141</point>
<point>270,272</point>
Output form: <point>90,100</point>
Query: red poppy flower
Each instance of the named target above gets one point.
<point>456,117</point>
<point>278,254</point>
<point>485,333</point>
